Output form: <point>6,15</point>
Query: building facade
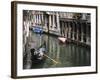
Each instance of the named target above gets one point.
<point>73,26</point>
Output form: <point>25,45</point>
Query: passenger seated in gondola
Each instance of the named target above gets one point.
<point>33,57</point>
<point>39,53</point>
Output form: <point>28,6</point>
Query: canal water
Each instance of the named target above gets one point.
<point>57,54</point>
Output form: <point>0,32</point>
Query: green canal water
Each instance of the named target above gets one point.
<point>58,54</point>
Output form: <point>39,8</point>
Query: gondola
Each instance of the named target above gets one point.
<point>37,55</point>
<point>62,39</point>
<point>37,29</point>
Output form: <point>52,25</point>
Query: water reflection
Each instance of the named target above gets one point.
<point>59,55</point>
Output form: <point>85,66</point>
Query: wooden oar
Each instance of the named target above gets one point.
<point>51,59</point>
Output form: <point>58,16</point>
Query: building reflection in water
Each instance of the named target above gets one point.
<point>64,55</point>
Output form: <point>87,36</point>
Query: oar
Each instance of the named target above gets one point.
<point>51,58</point>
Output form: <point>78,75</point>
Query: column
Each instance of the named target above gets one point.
<point>66,29</point>
<point>29,18</point>
<point>53,27</point>
<point>73,33</point>
<point>83,16</point>
<point>45,22</point>
<point>35,19</point>
<point>69,30</point>
<point>77,32</point>
<point>49,21</point>
<point>62,28</point>
<point>42,20</point>
<point>39,18</point>
<point>32,20</point>
<point>58,23</point>
<point>87,35</point>
<point>82,33</point>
